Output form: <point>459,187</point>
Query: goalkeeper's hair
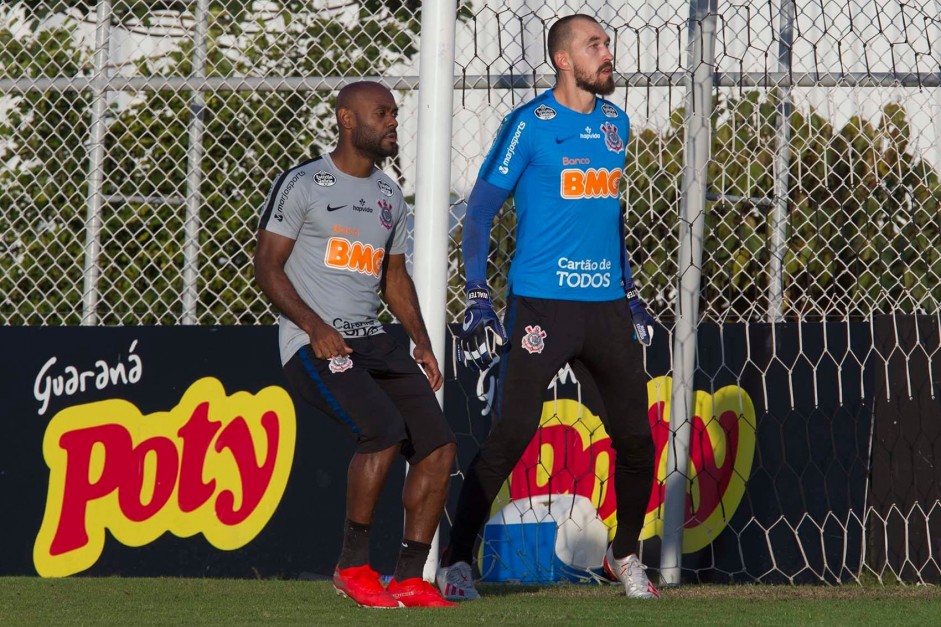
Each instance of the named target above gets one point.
<point>560,34</point>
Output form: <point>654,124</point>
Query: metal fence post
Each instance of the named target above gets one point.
<point>433,185</point>
<point>782,160</point>
<point>96,158</point>
<point>194,169</point>
<point>701,53</point>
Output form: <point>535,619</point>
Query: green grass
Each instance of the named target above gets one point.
<point>115,601</point>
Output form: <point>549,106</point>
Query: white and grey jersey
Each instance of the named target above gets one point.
<point>343,227</point>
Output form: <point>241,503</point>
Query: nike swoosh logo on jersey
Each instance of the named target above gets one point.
<point>560,140</point>
<point>329,208</point>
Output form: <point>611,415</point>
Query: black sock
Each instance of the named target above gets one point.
<point>355,551</point>
<point>633,474</point>
<point>412,560</point>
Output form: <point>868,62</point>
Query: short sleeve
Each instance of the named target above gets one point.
<point>286,205</point>
<point>400,232</point>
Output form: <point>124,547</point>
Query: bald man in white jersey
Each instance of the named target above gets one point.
<point>332,235</point>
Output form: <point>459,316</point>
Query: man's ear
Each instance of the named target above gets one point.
<point>562,60</point>
<point>346,118</point>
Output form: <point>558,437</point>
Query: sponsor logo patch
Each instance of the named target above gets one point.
<point>356,329</point>
<point>534,340</point>
<point>590,183</point>
<point>609,110</point>
<point>325,179</point>
<point>576,161</point>
<point>354,256</point>
<point>279,210</point>
<point>511,149</point>
<point>544,113</point>
<point>346,230</point>
<point>589,134</point>
<point>385,188</point>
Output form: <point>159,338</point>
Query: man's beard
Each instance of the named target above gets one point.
<point>370,143</point>
<point>595,84</point>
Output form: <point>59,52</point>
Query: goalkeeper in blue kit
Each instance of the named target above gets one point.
<point>571,297</point>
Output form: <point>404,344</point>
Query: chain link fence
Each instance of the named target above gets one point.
<point>138,141</point>
<point>145,212</point>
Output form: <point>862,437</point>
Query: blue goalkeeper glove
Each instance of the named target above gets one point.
<point>482,335</point>
<point>643,321</point>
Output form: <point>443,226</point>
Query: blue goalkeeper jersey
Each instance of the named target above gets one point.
<point>564,169</point>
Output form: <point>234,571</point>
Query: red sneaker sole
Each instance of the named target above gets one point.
<point>341,593</point>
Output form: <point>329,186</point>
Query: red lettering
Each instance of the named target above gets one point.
<point>131,488</point>
<point>711,477</point>
<point>79,489</point>
<point>574,468</point>
<point>255,479</point>
<point>197,435</point>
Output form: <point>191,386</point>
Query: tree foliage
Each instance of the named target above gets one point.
<point>863,217</point>
<point>249,137</point>
<point>863,212</point>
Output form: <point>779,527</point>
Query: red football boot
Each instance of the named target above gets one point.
<point>361,583</point>
<point>416,592</point>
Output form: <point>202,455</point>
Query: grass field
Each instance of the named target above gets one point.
<point>114,601</point>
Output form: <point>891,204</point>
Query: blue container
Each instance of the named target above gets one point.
<point>524,553</point>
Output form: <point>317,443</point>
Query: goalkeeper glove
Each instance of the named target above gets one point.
<point>482,335</point>
<point>643,321</point>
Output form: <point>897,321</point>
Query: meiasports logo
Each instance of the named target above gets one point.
<point>511,149</point>
<point>590,183</point>
<point>215,464</point>
<point>571,454</point>
<point>354,256</point>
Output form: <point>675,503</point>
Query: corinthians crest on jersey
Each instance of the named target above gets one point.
<point>611,138</point>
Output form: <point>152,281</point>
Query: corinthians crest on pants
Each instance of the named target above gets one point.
<point>340,363</point>
<point>534,340</point>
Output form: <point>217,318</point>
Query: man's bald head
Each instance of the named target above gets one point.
<point>562,32</point>
<point>366,117</point>
<point>355,92</point>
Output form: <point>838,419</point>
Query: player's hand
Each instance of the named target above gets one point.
<point>425,358</point>
<point>482,335</point>
<point>643,321</point>
<point>327,342</point>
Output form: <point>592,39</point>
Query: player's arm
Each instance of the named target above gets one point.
<point>398,289</point>
<point>641,318</point>
<point>482,334</point>
<point>482,207</point>
<point>271,254</point>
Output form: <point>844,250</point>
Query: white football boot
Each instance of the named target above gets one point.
<point>630,572</point>
<point>456,582</point>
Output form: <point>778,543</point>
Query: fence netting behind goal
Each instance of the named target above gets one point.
<point>138,140</point>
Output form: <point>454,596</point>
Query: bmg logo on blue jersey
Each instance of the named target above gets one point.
<point>590,183</point>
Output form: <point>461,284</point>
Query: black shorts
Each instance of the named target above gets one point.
<point>378,393</point>
<point>596,339</point>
